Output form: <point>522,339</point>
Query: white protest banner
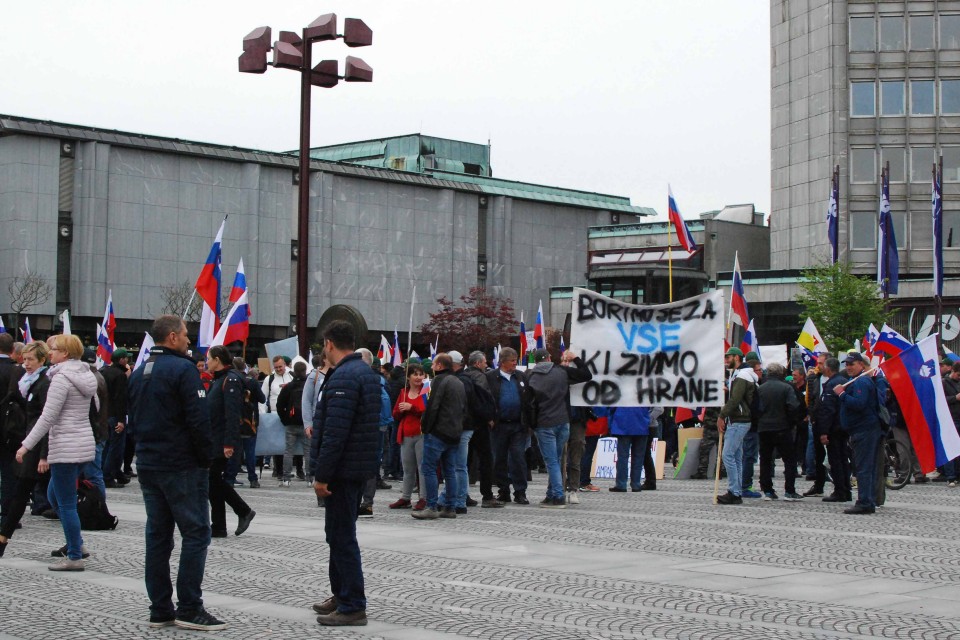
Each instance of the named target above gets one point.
<point>668,355</point>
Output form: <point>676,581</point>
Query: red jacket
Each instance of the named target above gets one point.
<point>409,420</point>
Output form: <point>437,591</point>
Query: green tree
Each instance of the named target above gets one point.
<point>841,304</point>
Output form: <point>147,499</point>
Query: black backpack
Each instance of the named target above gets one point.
<point>294,414</point>
<point>93,512</point>
<point>13,417</point>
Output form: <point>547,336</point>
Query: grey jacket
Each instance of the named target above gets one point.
<point>548,386</point>
<point>66,414</point>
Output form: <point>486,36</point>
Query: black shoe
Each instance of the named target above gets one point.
<point>699,476</point>
<point>244,522</point>
<point>383,485</point>
<point>301,475</point>
<point>491,503</point>
<point>858,510</point>
<point>50,514</point>
<point>112,484</point>
<point>541,469</point>
<point>365,511</point>
<point>218,534</point>
<point>921,480</point>
<point>810,477</point>
<point>520,498</point>
<point>649,486</point>
<point>200,620</point>
<point>129,473</point>
<point>617,490</point>
<point>641,488</point>
<point>836,497</point>
<point>504,497</point>
<point>813,492</point>
<point>62,553</point>
<point>160,621</point>
<point>447,512</point>
<point>729,498</point>
<point>326,607</point>
<point>471,502</point>
<point>940,478</point>
<point>337,619</point>
<point>461,510</point>
<point>123,480</point>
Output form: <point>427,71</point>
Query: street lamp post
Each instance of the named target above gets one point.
<point>294,51</point>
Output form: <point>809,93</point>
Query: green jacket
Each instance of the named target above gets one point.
<point>743,384</point>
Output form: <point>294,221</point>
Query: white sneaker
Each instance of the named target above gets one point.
<point>284,483</point>
<point>573,497</point>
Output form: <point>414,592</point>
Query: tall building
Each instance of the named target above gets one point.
<point>860,84</point>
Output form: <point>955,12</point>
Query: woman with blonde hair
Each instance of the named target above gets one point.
<point>27,402</point>
<point>66,421</point>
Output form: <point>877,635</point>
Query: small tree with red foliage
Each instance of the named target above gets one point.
<point>478,321</point>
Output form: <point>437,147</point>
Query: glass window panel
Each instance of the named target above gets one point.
<point>951,164</point>
<point>863,165</point>
<point>951,229</point>
<point>921,164</point>
<point>896,156</point>
<point>863,34</point>
<point>921,97</point>
<point>950,31</point>
<point>921,32</point>
<point>863,230</point>
<point>891,98</point>
<point>899,228</point>
<point>862,100</point>
<point>949,97</point>
<point>891,33</point>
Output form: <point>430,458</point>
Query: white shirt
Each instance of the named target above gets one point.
<point>272,391</point>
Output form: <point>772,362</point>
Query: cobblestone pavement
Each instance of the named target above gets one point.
<point>663,564</point>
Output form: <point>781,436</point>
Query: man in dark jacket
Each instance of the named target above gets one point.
<point>344,450</point>
<point>859,418</point>
<point>483,419</point>
<point>10,373</point>
<point>509,434</point>
<point>171,426</point>
<point>828,433</point>
<point>816,379</point>
<point>115,376</point>
<point>548,398</point>
<point>442,427</point>
<point>776,429</point>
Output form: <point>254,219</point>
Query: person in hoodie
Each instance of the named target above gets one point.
<point>547,402</point>
<point>734,421</point>
<point>66,421</point>
<point>631,427</point>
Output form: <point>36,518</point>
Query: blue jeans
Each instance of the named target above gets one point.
<point>865,444</point>
<point>552,440</point>
<point>250,456</point>
<point>113,451</point>
<point>340,527</point>
<point>630,449</point>
<point>463,482</point>
<point>810,463</point>
<point>751,448</point>
<point>509,457</point>
<point>733,455</point>
<point>92,471</point>
<point>436,450</point>
<point>175,498</point>
<point>63,480</point>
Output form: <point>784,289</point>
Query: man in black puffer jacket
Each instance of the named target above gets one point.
<point>776,429</point>
<point>344,453</point>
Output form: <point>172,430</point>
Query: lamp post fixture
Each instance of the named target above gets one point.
<point>294,51</point>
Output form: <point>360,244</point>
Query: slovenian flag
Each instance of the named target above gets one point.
<point>915,380</point>
<point>750,342</point>
<point>888,260</point>
<point>239,283</point>
<point>809,358</point>
<point>236,327</point>
<point>523,340</point>
<point>538,328</point>
<point>563,347</point>
<point>27,334</point>
<point>105,339</point>
<point>397,356</point>
<point>384,353</point>
<point>683,231</point>
<point>433,347</point>
<point>3,328</point>
<point>145,347</point>
<point>890,342</point>
<point>208,287</point>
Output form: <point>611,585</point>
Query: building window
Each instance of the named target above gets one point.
<point>921,162</point>
<point>951,229</point>
<point>950,31</point>
<point>863,34</point>
<point>896,156</point>
<point>863,165</point>
<point>891,98</point>
<point>921,98</point>
<point>899,228</point>
<point>863,230</point>
<point>921,33</point>
<point>949,97</point>
<point>891,33</point>
<point>951,164</point>
<point>862,99</point>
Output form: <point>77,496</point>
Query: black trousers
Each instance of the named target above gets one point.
<point>222,494</point>
<point>780,441</point>
<point>839,459</point>
<point>482,452</point>
<point>20,493</point>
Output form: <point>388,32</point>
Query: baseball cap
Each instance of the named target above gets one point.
<point>854,357</point>
<point>733,351</point>
<point>456,356</point>
<point>752,356</point>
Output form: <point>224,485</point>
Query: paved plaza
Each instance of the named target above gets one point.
<point>663,564</point>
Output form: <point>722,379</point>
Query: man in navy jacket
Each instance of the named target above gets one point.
<point>344,453</point>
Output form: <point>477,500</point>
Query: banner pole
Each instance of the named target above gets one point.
<point>716,480</point>
<point>669,257</point>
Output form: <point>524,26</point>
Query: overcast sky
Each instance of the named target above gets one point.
<point>618,96</point>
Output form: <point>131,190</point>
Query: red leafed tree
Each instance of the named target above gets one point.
<point>477,321</point>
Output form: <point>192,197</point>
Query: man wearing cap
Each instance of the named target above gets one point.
<point>751,443</point>
<point>859,418</point>
<point>116,378</point>
<point>734,421</point>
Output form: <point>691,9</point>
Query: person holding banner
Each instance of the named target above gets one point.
<point>734,422</point>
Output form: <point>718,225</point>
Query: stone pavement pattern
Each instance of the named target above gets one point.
<point>663,564</point>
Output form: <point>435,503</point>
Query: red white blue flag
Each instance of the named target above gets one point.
<point>397,356</point>
<point>3,329</point>
<point>384,353</point>
<point>914,378</point>
<point>750,342</point>
<point>683,231</point>
<point>27,334</point>
<point>239,283</point>
<point>738,299</point>
<point>208,288</point>
<point>523,340</point>
<point>105,341</point>
<point>538,328</point>
<point>236,327</point>
<point>890,342</point>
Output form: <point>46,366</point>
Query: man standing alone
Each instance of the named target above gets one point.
<point>343,453</point>
<point>171,427</point>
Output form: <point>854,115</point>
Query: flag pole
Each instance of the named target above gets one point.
<point>884,175</point>
<point>937,299</point>
<point>669,253</point>
<point>736,255</point>
<point>410,329</point>
<point>716,480</point>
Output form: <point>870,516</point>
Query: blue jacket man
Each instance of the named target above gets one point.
<point>859,418</point>
<point>171,426</point>
<point>344,454</point>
